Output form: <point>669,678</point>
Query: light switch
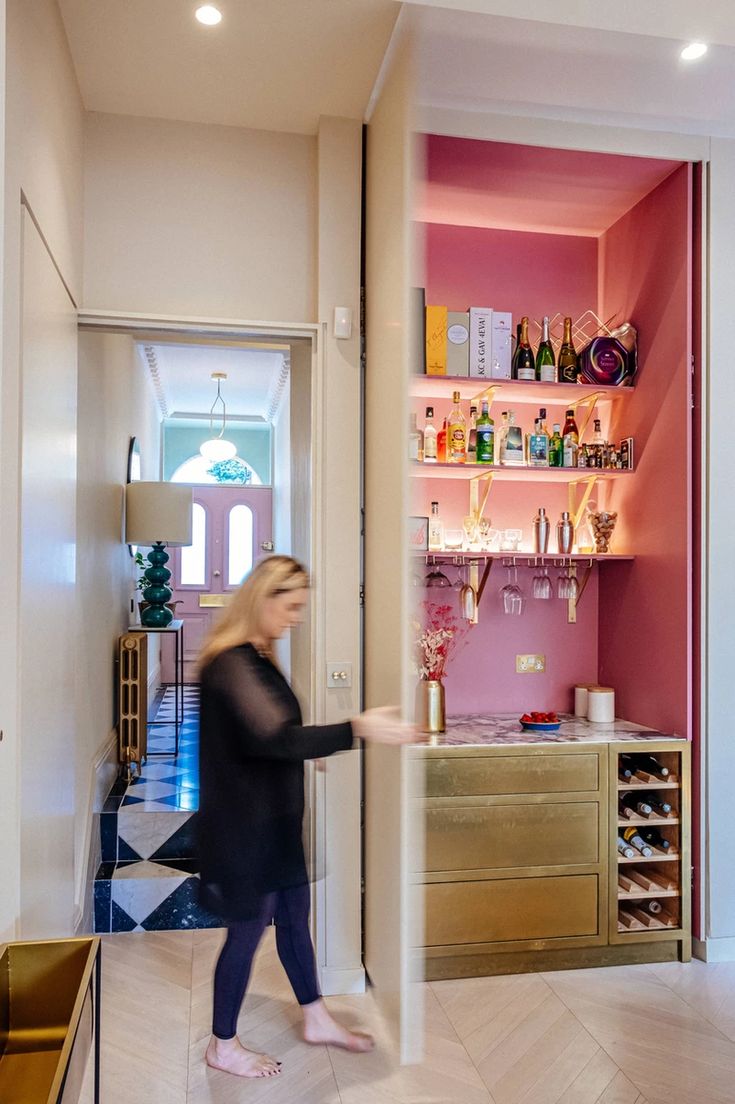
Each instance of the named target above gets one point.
<point>339,675</point>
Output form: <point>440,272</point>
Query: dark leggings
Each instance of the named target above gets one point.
<point>290,910</point>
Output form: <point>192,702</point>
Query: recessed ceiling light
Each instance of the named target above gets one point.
<point>209,15</point>
<point>693,51</point>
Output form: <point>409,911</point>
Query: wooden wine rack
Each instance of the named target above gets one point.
<point>664,876</point>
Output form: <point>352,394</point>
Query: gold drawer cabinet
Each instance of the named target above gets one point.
<point>465,776</point>
<point>494,837</point>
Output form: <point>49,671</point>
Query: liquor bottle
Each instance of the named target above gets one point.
<point>583,458</point>
<point>415,441</point>
<point>538,446</point>
<point>633,837</point>
<point>631,806</point>
<point>429,437</point>
<point>441,443</point>
<point>542,419</point>
<point>456,434</point>
<point>525,365</point>
<point>500,437</point>
<point>545,359</point>
<point>556,449</point>
<point>598,445</point>
<point>652,766</point>
<point>516,353</point>
<point>568,360</point>
<point>654,837</point>
<point>512,447</point>
<point>570,441</point>
<point>436,529</point>
<point>485,452</point>
<point>625,849</point>
<point>472,436</point>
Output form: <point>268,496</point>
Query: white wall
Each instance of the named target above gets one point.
<point>43,121</point>
<point>116,402</point>
<point>199,220</point>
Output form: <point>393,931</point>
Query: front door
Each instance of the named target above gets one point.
<point>231,530</point>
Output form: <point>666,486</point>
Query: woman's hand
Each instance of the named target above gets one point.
<point>384,726</point>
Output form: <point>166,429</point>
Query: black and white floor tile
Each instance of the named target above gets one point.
<point>148,877</point>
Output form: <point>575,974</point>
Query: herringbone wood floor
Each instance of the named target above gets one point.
<point>628,1035</point>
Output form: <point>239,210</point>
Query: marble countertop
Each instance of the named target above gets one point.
<point>483,729</point>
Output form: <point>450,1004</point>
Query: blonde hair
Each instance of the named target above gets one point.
<point>241,619</point>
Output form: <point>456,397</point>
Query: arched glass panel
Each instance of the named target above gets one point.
<point>194,555</point>
<point>229,472</point>
<point>240,551</point>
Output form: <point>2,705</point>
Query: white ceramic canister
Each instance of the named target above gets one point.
<point>601,704</point>
<point>580,700</point>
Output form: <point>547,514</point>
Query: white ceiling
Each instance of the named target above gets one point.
<point>270,64</point>
<point>481,62</point>
<point>256,379</point>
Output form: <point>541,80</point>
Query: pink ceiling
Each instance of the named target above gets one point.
<point>515,187</point>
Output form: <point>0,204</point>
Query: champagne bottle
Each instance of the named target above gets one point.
<point>485,453</point>
<point>472,436</point>
<point>631,806</point>
<point>525,363</point>
<point>625,849</point>
<point>633,837</point>
<point>456,433</point>
<point>568,359</point>
<point>516,353</point>
<point>545,359</point>
<point>429,437</point>
<point>654,837</point>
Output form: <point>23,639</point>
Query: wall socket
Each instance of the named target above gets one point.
<point>530,664</point>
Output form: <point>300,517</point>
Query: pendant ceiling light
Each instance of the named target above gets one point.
<point>216,448</point>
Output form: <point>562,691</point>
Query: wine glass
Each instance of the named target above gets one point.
<point>542,587</point>
<point>436,578</point>
<point>567,587</point>
<point>511,594</point>
<point>470,527</point>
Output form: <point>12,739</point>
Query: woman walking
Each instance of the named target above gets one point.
<point>252,750</point>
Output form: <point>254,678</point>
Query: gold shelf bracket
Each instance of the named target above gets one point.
<point>476,509</point>
<point>572,603</point>
<point>577,509</point>
<point>589,401</point>
<point>488,393</point>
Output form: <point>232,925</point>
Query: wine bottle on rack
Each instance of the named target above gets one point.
<point>654,908</point>
<point>545,359</point>
<point>525,365</point>
<point>631,766</point>
<point>568,366</point>
<point>631,806</point>
<point>625,849</point>
<point>633,837</point>
<point>661,808</point>
<point>652,766</point>
<point>654,837</point>
<point>625,773</point>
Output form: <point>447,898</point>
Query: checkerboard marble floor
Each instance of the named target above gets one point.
<point>148,877</point>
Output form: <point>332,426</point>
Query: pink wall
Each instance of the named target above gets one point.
<point>533,274</point>
<point>645,619</point>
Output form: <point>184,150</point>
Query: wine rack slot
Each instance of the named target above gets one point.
<point>648,790</point>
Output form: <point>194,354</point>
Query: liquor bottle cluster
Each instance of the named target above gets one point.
<point>474,440</point>
<point>543,366</point>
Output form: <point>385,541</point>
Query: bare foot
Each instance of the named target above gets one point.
<point>321,1029</point>
<point>232,1057</point>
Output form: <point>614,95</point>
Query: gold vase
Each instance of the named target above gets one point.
<point>430,711</point>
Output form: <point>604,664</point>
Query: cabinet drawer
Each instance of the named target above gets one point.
<point>511,774</point>
<point>511,909</point>
<point>492,837</point>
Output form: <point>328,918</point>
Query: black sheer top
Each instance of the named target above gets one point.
<point>252,750</point>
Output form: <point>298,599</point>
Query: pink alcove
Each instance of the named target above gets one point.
<point>540,231</point>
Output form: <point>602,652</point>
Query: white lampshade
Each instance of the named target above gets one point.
<point>158,512</point>
<point>216,449</point>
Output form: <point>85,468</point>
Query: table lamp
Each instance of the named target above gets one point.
<point>156,515</point>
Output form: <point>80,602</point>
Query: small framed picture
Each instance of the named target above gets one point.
<point>418,534</point>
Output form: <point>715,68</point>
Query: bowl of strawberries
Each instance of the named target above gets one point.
<point>540,722</point>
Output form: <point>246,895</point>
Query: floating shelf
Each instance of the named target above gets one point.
<point>420,470</point>
<point>513,391</point>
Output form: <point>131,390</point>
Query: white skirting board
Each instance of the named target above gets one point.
<point>337,982</point>
<point>714,950</point>
<point>102,774</point>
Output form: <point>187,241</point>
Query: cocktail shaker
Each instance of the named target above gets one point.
<point>565,533</point>
<point>541,531</point>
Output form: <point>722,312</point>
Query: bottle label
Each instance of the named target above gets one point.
<point>485,444</point>
<point>429,448</point>
<point>548,373</point>
<point>413,448</point>
<point>457,442</point>
<point>527,374</point>
<point>538,450</point>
